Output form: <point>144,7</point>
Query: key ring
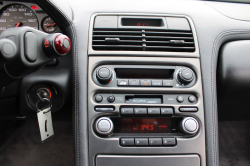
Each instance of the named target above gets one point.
<point>50,105</point>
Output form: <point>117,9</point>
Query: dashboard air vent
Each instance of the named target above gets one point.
<point>143,40</point>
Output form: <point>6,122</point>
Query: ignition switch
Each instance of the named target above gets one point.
<point>44,93</point>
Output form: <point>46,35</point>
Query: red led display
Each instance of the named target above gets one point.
<point>152,125</point>
<point>34,7</point>
<point>142,24</point>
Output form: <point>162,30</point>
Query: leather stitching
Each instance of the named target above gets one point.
<point>222,38</point>
<point>75,79</point>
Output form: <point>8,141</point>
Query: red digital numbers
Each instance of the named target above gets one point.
<point>147,127</point>
<point>142,24</point>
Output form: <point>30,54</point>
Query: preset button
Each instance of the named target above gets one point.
<point>127,111</point>
<point>153,111</point>
<point>141,141</point>
<point>140,111</point>
<point>169,141</point>
<point>155,141</point>
<point>127,141</point>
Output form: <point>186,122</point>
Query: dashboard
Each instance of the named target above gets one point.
<point>140,80</point>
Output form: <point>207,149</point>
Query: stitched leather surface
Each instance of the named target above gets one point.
<point>80,117</point>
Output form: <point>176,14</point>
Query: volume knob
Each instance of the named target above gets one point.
<point>185,76</point>
<point>104,126</point>
<point>104,75</point>
<point>189,125</point>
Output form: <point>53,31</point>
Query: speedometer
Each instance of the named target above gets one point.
<point>17,16</point>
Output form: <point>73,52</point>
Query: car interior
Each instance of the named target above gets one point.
<point>124,83</point>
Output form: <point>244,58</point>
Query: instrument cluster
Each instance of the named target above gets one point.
<point>18,14</point>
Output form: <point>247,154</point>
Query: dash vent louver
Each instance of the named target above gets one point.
<point>143,40</point>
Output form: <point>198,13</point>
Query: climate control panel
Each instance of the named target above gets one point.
<point>144,76</point>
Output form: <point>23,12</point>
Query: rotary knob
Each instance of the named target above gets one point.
<point>185,76</point>
<point>104,126</point>
<point>104,75</point>
<point>189,126</point>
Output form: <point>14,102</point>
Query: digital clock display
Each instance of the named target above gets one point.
<point>145,125</point>
<point>141,22</point>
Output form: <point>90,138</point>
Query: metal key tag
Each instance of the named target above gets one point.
<point>45,122</point>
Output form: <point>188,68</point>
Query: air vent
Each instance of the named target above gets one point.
<point>143,40</point>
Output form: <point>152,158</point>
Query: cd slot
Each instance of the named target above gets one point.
<point>144,99</point>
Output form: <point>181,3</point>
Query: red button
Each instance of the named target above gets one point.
<point>62,44</point>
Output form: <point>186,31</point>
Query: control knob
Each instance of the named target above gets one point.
<point>189,126</point>
<point>104,126</point>
<point>104,75</point>
<point>185,76</point>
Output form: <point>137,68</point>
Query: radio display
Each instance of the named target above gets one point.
<point>141,73</point>
<point>141,22</point>
<point>145,125</point>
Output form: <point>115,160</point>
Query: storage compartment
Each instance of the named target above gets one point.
<point>147,160</point>
<point>233,81</point>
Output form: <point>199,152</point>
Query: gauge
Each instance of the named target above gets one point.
<point>49,25</point>
<point>17,16</point>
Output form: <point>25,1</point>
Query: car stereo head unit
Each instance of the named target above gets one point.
<point>144,76</point>
<point>146,126</point>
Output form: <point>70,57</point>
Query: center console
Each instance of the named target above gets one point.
<point>145,100</point>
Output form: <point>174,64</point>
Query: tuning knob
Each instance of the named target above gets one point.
<point>104,126</point>
<point>104,75</point>
<point>189,125</point>
<point>185,76</point>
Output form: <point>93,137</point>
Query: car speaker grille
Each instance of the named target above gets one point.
<point>143,40</point>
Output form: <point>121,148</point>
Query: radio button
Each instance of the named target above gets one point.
<point>192,99</point>
<point>140,111</point>
<point>141,141</point>
<point>169,141</point>
<point>180,99</point>
<point>153,111</point>
<point>155,141</point>
<point>145,82</point>
<point>134,82</point>
<point>98,98</point>
<point>104,109</point>
<point>127,141</point>
<point>122,82</point>
<point>104,126</point>
<point>167,111</point>
<point>168,83</point>
<point>111,98</point>
<point>156,82</point>
<point>127,111</point>
<point>188,109</point>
